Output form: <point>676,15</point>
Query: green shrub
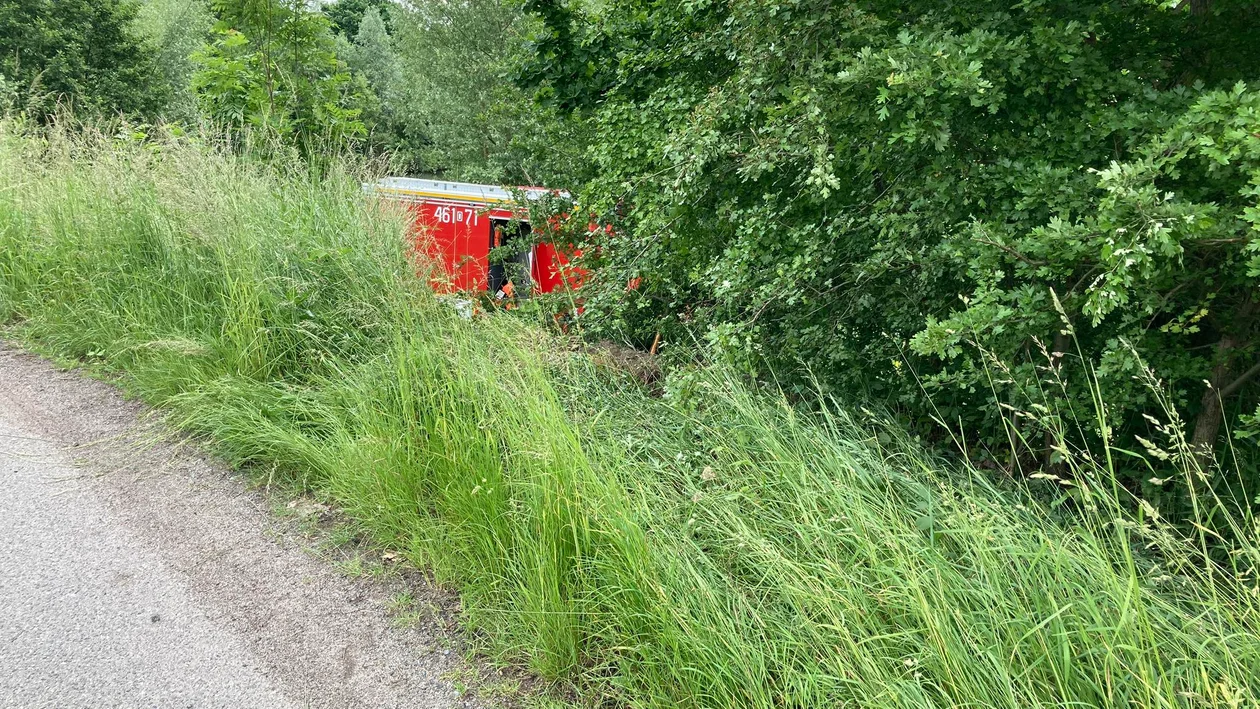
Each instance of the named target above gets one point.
<point>880,198</point>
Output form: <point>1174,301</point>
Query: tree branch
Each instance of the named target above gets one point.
<point>1219,242</point>
<point>1009,250</point>
<point>1164,301</point>
<point>1242,379</point>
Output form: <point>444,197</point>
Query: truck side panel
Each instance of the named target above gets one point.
<point>552,270</point>
<point>456,236</point>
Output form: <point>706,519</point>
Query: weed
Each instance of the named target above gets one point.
<point>341,536</point>
<point>352,567</point>
<point>406,611</point>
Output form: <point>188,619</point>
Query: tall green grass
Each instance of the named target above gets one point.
<point>714,547</point>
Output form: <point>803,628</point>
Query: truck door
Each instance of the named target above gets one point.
<point>511,259</point>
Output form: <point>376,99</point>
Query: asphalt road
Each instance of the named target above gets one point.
<point>135,572</point>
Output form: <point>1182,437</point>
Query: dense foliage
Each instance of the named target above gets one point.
<point>84,54</point>
<point>458,108</point>
<point>347,15</point>
<point>272,67</point>
<point>426,84</point>
<point>946,205</point>
<point>177,29</point>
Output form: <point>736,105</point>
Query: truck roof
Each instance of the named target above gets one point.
<point>417,188</point>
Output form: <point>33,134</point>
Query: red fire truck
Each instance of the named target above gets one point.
<point>458,224</point>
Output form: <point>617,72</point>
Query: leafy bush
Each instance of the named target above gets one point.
<point>884,199</point>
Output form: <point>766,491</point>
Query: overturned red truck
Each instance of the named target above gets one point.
<point>459,226</point>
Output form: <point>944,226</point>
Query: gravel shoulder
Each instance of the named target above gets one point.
<point>137,571</point>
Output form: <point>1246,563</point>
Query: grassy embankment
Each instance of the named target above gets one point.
<point>713,548</point>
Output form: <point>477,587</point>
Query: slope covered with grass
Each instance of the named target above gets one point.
<point>714,547</point>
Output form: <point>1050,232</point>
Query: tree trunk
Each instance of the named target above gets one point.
<point>1207,425</point>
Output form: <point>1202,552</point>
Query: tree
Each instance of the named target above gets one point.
<point>372,54</point>
<point>458,112</point>
<point>81,52</point>
<point>347,15</point>
<point>176,29</point>
<point>272,67</point>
